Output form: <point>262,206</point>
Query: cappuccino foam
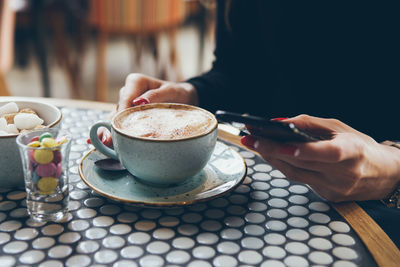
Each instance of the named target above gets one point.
<point>165,123</point>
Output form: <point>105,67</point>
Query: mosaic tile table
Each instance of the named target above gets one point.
<point>265,221</point>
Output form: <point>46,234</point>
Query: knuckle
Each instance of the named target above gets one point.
<point>336,152</point>
<point>134,77</point>
<point>334,122</point>
<point>304,117</point>
<point>122,90</point>
<point>170,87</point>
<point>150,95</point>
<point>353,175</point>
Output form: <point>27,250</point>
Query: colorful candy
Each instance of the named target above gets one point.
<point>48,142</point>
<point>57,157</point>
<point>45,135</point>
<point>47,185</point>
<point>34,144</point>
<point>43,156</point>
<point>49,169</point>
<point>36,138</point>
<point>62,140</point>
<point>45,161</point>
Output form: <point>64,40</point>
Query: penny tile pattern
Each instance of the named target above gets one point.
<point>266,221</point>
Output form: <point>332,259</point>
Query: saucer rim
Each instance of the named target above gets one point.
<point>159,204</point>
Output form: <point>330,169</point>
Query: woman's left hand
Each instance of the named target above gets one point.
<point>348,166</point>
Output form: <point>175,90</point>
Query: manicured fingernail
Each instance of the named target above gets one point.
<point>289,150</point>
<point>89,141</point>
<point>104,139</point>
<point>140,101</point>
<point>249,141</point>
<point>279,119</point>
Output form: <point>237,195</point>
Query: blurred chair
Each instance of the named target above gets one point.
<point>143,20</point>
<point>69,26</point>
<point>7,24</point>
<point>202,14</point>
<point>55,28</point>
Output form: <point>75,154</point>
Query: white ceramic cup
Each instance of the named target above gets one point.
<point>155,161</point>
<point>11,174</point>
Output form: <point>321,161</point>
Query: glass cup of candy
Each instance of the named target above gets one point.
<point>44,154</point>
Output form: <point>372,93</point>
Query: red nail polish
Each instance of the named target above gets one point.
<point>89,141</point>
<point>248,141</point>
<point>289,150</point>
<point>279,119</point>
<point>140,101</point>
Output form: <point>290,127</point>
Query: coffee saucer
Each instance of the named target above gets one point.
<point>223,173</point>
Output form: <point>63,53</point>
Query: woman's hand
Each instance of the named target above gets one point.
<point>348,166</point>
<point>142,89</point>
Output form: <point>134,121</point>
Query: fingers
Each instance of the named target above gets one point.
<point>271,149</point>
<point>105,136</point>
<point>325,186</point>
<point>285,159</point>
<point>184,93</point>
<point>296,174</point>
<point>140,89</point>
<point>166,93</point>
<point>319,126</point>
<point>135,85</point>
<point>348,166</point>
<point>338,149</point>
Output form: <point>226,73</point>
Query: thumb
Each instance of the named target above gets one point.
<point>319,126</point>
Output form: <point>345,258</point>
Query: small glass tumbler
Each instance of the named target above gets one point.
<point>45,160</point>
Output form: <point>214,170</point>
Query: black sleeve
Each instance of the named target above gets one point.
<point>213,85</point>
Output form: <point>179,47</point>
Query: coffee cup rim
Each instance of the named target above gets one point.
<point>151,105</point>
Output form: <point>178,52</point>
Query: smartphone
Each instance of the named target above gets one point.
<point>275,130</point>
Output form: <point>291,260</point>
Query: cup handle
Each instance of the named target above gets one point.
<point>98,144</point>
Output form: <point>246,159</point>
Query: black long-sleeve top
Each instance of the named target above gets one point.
<point>333,59</point>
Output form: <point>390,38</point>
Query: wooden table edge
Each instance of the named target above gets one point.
<point>381,247</point>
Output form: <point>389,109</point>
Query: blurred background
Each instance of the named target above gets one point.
<point>83,49</point>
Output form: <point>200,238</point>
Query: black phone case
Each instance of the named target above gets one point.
<point>276,130</point>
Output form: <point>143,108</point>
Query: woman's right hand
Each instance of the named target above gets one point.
<point>141,89</point>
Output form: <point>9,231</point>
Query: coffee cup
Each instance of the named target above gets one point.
<point>160,143</point>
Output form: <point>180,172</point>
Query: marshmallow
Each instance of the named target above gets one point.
<point>3,124</point>
<point>27,121</point>
<point>12,129</point>
<point>9,108</point>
